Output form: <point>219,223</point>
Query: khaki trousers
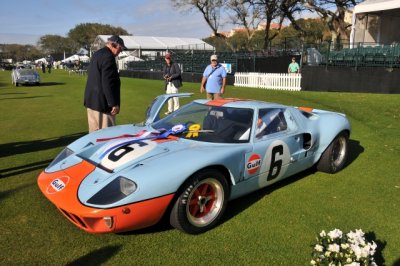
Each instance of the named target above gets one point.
<point>98,120</point>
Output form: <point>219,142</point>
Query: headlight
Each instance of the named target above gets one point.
<point>116,190</point>
<point>61,156</point>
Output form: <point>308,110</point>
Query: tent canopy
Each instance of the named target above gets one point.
<point>157,43</point>
<point>375,22</point>
<point>376,5</point>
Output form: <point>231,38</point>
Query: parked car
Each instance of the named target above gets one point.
<point>188,165</point>
<point>22,75</point>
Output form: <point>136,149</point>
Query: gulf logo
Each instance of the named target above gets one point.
<point>57,184</point>
<point>253,164</point>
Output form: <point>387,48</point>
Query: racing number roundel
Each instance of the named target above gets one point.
<point>276,160</point>
<point>126,153</point>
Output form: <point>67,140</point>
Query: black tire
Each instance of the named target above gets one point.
<point>201,202</point>
<point>334,157</point>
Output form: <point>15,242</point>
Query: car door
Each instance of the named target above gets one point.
<point>154,109</point>
<point>275,152</point>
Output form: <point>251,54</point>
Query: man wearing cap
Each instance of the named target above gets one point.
<point>102,93</point>
<point>173,81</point>
<point>214,79</point>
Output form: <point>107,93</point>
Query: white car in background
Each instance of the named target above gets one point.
<point>25,76</point>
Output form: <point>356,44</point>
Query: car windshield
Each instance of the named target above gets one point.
<point>24,71</point>
<point>210,123</point>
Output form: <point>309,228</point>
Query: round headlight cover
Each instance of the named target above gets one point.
<point>116,190</point>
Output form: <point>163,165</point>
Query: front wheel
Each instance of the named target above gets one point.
<point>334,157</point>
<point>202,202</point>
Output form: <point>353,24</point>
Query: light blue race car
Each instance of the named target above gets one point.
<point>189,164</point>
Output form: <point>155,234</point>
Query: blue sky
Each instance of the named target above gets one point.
<point>24,21</point>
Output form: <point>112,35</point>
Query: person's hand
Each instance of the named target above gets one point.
<point>222,90</point>
<point>201,89</point>
<point>115,110</point>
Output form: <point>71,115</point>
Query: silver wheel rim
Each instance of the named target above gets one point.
<point>205,202</point>
<point>338,151</point>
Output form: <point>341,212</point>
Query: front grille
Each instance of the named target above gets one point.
<point>74,218</point>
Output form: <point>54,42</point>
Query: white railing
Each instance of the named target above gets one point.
<point>268,81</point>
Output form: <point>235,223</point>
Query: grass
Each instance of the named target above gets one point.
<point>274,226</point>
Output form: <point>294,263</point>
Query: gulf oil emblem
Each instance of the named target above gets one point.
<point>253,164</point>
<point>57,184</point>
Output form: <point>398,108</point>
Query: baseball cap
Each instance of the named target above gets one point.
<point>168,56</point>
<point>214,57</point>
<point>118,40</point>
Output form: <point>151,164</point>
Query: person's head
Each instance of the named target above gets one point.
<point>168,58</point>
<point>293,59</point>
<point>214,60</point>
<point>259,122</point>
<point>115,44</point>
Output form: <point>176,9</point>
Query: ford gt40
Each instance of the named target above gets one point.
<point>188,165</point>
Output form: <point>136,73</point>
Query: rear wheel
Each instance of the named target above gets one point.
<point>202,202</point>
<point>334,157</point>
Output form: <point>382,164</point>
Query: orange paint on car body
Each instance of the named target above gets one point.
<point>61,188</point>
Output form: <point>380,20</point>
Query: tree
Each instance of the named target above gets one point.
<point>333,13</point>
<point>244,13</point>
<point>19,53</point>
<point>55,44</point>
<point>84,34</point>
<point>211,11</point>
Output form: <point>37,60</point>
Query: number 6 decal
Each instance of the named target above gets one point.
<point>126,153</point>
<point>276,164</point>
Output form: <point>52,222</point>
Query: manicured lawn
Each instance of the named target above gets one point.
<point>275,226</point>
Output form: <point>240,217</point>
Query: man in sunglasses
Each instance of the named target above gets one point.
<point>102,93</point>
<point>214,79</point>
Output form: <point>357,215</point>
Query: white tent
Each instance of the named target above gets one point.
<point>130,58</point>
<point>75,57</point>
<point>40,60</point>
<point>84,58</point>
<point>376,21</point>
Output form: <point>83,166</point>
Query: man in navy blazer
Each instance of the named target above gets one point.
<point>102,93</point>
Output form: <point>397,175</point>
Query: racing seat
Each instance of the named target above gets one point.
<point>210,121</point>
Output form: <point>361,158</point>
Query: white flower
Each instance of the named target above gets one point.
<point>334,248</point>
<point>328,253</point>
<point>322,234</point>
<point>357,250</point>
<point>356,237</point>
<point>344,246</point>
<point>319,248</point>
<point>313,262</point>
<point>349,260</point>
<point>335,234</point>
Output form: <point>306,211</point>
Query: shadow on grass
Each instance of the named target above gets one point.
<point>354,150</point>
<point>396,263</point>
<point>97,257</point>
<point>21,147</point>
<point>379,260</point>
<point>46,84</point>
<point>13,93</point>
<point>19,98</point>
<point>3,85</point>
<point>238,205</point>
<point>11,192</point>
<point>23,168</point>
